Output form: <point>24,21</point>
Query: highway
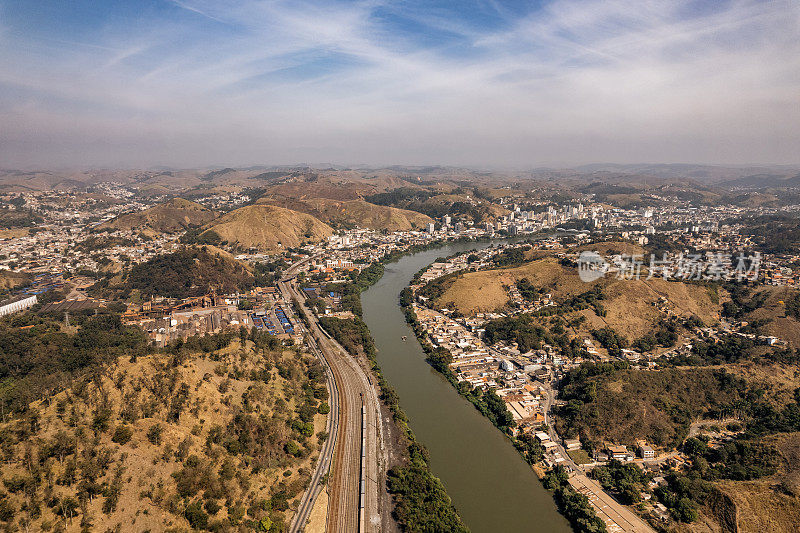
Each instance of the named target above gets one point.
<point>353,452</point>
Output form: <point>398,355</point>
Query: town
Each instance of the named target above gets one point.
<point>77,259</point>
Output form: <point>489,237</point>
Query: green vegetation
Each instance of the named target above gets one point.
<point>610,340</point>
<point>625,481</point>
<point>41,359</point>
<point>573,505</point>
<point>427,203</point>
<point>528,290</point>
<point>776,234</point>
<point>352,334</point>
<point>611,401</point>
<point>421,503</point>
<point>742,301</point>
<point>188,272</point>
<point>585,300</point>
<point>520,329</point>
<point>201,237</point>
<point>95,243</point>
<point>435,288</point>
<point>18,217</point>
<point>666,335</point>
<point>738,460</point>
<point>510,257</point>
<point>267,273</point>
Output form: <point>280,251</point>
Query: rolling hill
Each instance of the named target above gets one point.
<point>268,228</point>
<point>350,213</point>
<point>365,214</point>
<point>631,305</point>
<point>171,216</point>
<point>189,272</point>
<point>216,436</point>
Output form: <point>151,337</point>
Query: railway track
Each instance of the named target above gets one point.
<point>352,454</point>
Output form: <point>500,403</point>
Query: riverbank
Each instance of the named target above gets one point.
<point>420,501</point>
<point>494,489</point>
<point>575,506</point>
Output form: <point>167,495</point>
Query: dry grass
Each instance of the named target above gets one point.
<point>630,304</point>
<point>779,381</point>
<point>770,504</point>
<point>368,215</point>
<point>269,228</point>
<point>774,310</point>
<point>13,233</point>
<point>171,216</point>
<point>10,280</point>
<point>148,468</point>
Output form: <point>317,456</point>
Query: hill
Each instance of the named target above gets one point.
<point>612,402</point>
<point>350,213</point>
<point>189,272</point>
<point>777,309</point>
<point>438,203</point>
<point>632,306</point>
<point>12,280</point>
<point>213,436</point>
<point>171,216</point>
<point>772,503</point>
<point>268,228</point>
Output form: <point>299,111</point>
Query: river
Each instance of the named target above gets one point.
<point>491,485</point>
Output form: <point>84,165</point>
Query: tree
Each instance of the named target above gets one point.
<point>685,510</point>
<point>122,434</point>
<point>154,434</point>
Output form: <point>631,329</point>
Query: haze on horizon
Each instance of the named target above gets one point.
<point>190,83</point>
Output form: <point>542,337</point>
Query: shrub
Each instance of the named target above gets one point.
<point>122,434</point>
<point>154,434</point>
<point>197,518</point>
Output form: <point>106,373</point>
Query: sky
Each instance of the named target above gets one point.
<point>481,83</point>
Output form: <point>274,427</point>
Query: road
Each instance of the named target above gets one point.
<point>549,396</point>
<point>617,517</point>
<point>343,457</point>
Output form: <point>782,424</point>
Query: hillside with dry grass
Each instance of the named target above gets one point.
<point>768,504</point>
<point>773,313</point>
<point>352,213</point>
<point>268,228</point>
<point>217,436</point>
<point>11,280</point>
<point>633,307</point>
<point>169,217</point>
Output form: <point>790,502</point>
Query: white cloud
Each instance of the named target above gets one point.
<point>576,82</point>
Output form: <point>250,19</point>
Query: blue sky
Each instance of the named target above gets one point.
<point>483,83</point>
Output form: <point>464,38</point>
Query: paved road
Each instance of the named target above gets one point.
<point>617,517</point>
<point>353,386</point>
<point>549,396</point>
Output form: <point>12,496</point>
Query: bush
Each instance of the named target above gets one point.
<point>154,434</point>
<point>292,448</point>
<point>122,434</point>
<point>212,507</point>
<point>197,518</point>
